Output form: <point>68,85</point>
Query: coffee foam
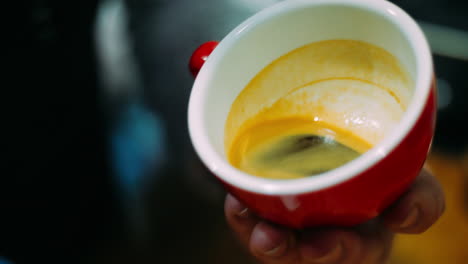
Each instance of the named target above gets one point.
<point>349,84</point>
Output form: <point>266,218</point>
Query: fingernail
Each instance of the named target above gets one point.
<point>243,213</point>
<point>237,208</point>
<point>411,218</point>
<point>277,251</point>
<point>269,241</point>
<point>333,254</point>
<point>282,247</point>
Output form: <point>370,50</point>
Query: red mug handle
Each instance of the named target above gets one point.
<point>200,55</point>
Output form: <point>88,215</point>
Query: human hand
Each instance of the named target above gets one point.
<point>369,243</point>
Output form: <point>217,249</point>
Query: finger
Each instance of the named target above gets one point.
<point>419,208</point>
<point>377,241</point>
<point>240,219</point>
<point>332,246</point>
<point>369,243</point>
<point>273,244</point>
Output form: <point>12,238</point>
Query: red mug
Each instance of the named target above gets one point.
<point>357,191</point>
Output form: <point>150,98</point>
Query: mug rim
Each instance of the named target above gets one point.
<point>235,177</point>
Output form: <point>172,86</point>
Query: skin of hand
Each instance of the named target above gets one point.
<point>369,243</point>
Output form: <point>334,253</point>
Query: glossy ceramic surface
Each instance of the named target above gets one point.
<point>357,191</point>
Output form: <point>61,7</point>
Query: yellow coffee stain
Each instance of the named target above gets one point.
<point>358,90</point>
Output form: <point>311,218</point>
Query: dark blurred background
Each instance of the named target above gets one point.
<point>99,167</point>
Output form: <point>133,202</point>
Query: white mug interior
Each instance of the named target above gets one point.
<point>278,30</point>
